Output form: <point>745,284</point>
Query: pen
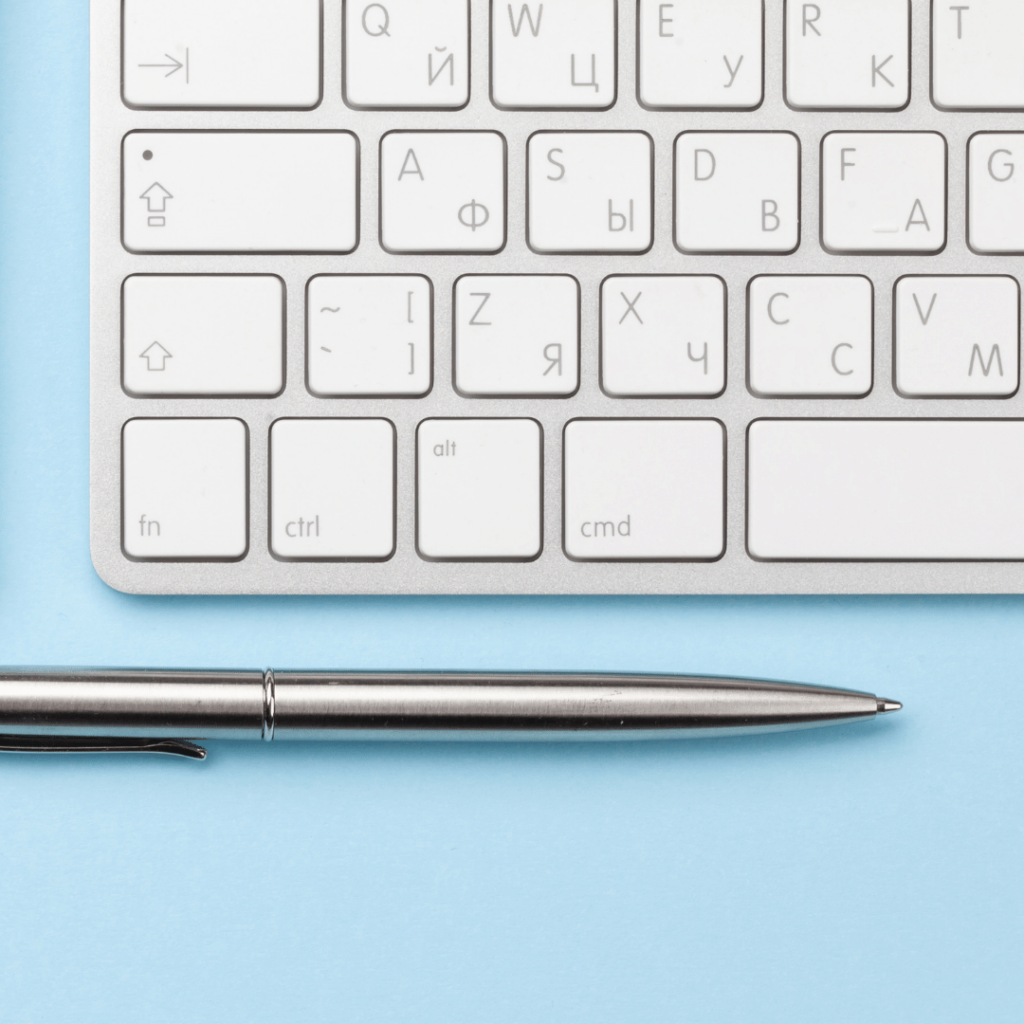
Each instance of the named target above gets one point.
<point>160,711</point>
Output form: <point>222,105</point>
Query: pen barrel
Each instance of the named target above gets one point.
<point>489,706</point>
<point>308,705</point>
<point>66,702</point>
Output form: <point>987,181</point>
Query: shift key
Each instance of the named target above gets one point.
<point>225,192</point>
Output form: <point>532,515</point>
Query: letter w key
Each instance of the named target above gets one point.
<point>525,13</point>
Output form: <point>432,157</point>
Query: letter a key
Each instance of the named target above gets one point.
<point>450,199</point>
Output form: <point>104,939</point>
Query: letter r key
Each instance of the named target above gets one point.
<point>848,54</point>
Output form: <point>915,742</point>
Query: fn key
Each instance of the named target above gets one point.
<point>184,489</point>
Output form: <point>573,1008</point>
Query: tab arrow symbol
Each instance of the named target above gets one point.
<point>156,356</point>
<point>156,197</point>
<point>175,65</point>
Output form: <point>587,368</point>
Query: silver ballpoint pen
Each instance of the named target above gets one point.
<point>159,711</point>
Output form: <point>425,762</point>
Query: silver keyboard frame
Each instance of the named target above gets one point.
<point>552,573</point>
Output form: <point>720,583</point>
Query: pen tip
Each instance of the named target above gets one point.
<point>885,705</point>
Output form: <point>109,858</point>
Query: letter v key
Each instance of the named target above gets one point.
<point>925,317</point>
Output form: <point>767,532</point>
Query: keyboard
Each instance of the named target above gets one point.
<point>571,297</point>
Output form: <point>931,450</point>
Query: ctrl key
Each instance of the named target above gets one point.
<point>332,489</point>
<point>185,489</point>
<point>478,489</point>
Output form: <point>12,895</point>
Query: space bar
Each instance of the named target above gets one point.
<point>885,489</point>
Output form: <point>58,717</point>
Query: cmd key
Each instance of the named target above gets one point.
<point>225,192</point>
<point>644,490</point>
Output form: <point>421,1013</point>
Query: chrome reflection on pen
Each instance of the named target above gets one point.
<point>160,711</point>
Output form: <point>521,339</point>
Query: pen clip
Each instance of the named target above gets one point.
<point>99,745</point>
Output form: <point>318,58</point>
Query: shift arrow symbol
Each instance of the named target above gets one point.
<point>156,197</point>
<point>156,356</point>
<point>175,65</point>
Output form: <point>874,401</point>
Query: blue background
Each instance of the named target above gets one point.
<point>867,874</point>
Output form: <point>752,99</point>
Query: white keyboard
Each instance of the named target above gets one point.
<point>449,296</point>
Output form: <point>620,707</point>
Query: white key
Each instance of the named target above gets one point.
<point>995,192</point>
<point>203,334</point>
<point>479,489</point>
<point>184,486</point>
<point>556,55</point>
<point>369,334</point>
<point>442,191</point>
<point>644,489</point>
<point>332,489</point>
<point>848,54</point>
<point>407,54</point>
<point>885,489</point>
<point>701,54</point>
<point>221,53</point>
<point>517,334</point>
<point>590,191</point>
<point>737,192</point>
<point>810,335</point>
<point>240,191</point>
<point>883,192</point>
<point>957,336</point>
<point>978,55</point>
<point>663,335</point>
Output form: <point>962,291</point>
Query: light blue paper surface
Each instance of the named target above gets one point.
<point>867,874</point>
